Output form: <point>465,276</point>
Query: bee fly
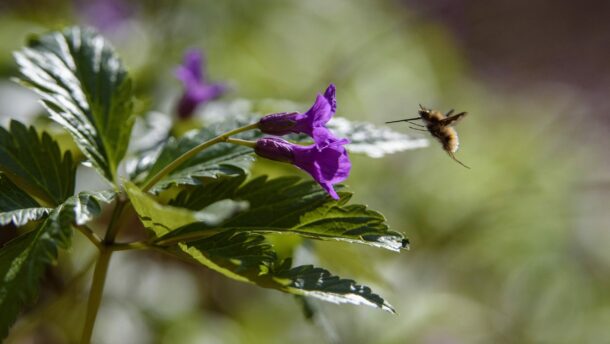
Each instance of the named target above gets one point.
<point>440,126</point>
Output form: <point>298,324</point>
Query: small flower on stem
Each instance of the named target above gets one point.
<point>196,89</point>
<point>311,122</point>
<point>327,166</point>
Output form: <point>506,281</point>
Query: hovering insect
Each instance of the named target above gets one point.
<point>440,126</point>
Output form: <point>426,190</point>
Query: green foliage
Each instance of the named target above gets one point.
<point>35,163</point>
<point>231,246</point>
<point>220,159</point>
<point>161,219</point>
<point>287,205</point>
<point>23,260</point>
<point>246,257</point>
<point>217,219</point>
<point>85,88</point>
<point>311,281</point>
<point>16,206</point>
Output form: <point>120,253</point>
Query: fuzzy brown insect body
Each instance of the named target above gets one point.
<point>440,126</point>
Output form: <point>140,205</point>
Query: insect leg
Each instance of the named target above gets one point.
<point>456,160</point>
<point>417,129</point>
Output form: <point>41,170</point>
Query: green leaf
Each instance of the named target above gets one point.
<point>85,205</point>
<point>287,205</point>
<point>246,257</point>
<point>23,260</point>
<point>220,159</point>
<point>16,206</point>
<point>35,163</point>
<point>161,219</point>
<point>241,256</point>
<point>316,282</point>
<point>85,88</point>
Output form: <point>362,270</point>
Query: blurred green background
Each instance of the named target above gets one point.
<point>514,250</point>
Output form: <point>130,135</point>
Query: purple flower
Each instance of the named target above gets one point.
<point>196,88</point>
<point>327,166</point>
<point>311,122</point>
<point>105,14</point>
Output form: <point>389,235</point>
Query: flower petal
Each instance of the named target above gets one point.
<point>193,62</point>
<point>323,108</point>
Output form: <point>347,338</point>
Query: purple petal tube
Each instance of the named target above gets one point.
<point>313,122</point>
<point>196,89</point>
<point>327,166</point>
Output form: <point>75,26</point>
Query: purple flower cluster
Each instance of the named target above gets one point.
<point>196,89</point>
<point>326,160</point>
<point>312,123</point>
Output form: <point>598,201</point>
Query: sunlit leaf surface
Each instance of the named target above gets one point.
<point>162,219</point>
<point>16,206</point>
<point>85,88</point>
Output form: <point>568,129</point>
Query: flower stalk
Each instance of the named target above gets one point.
<point>194,151</point>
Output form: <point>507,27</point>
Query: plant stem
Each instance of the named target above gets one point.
<point>191,153</point>
<point>246,143</point>
<point>90,234</point>
<point>185,237</point>
<point>95,294</point>
<point>107,246</point>
<point>137,245</point>
<point>101,269</point>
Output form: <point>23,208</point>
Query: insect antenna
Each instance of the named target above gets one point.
<point>456,160</point>
<point>404,120</point>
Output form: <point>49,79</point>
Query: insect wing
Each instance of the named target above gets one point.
<point>452,120</point>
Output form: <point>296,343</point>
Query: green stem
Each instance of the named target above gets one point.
<point>251,144</point>
<point>101,269</point>
<point>90,234</point>
<point>185,237</point>
<point>137,245</point>
<point>191,153</point>
<point>107,246</point>
<point>95,295</point>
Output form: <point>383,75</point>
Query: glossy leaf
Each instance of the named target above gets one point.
<point>374,141</point>
<point>316,282</point>
<point>162,219</point>
<point>35,163</point>
<point>85,88</point>
<point>16,206</point>
<point>23,260</point>
<point>287,205</point>
<point>86,206</point>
